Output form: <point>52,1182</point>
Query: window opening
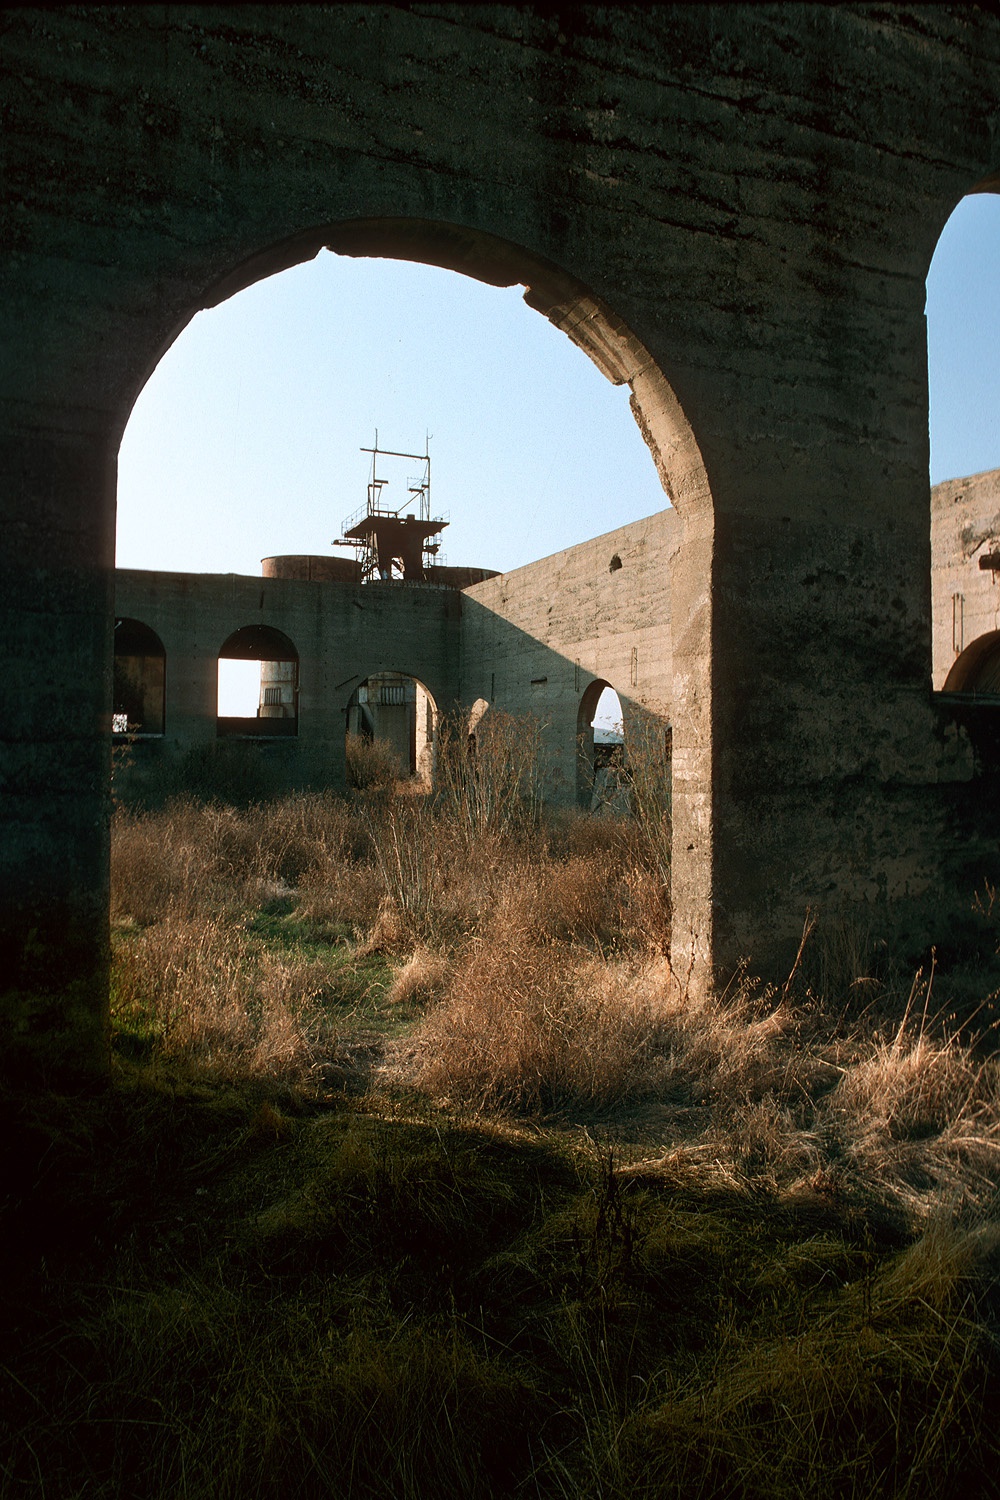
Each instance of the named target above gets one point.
<point>138,701</point>
<point>258,684</point>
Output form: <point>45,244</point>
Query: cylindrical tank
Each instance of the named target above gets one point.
<point>312,569</point>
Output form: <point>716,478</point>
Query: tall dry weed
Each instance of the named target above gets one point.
<point>490,782</point>
<point>648,776</point>
<point>196,857</point>
<point>372,764</point>
<point>167,862</point>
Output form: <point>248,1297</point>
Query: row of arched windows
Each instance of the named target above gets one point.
<point>140,675</point>
<point>387,706</point>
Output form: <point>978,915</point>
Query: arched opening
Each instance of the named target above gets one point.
<point>963,333</point>
<point>139,691</point>
<point>977,669</point>
<point>391,724</point>
<point>600,739</point>
<point>258,680</point>
<point>620,356</point>
<point>64,909</point>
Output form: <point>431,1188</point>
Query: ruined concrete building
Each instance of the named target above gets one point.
<point>545,639</point>
<point>732,209</point>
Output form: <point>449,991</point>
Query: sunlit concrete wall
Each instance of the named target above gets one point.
<point>536,638</point>
<point>531,641</point>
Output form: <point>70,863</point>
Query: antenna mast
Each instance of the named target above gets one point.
<point>395,543</point>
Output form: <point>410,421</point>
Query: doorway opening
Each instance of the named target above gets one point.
<point>600,739</point>
<point>392,716</point>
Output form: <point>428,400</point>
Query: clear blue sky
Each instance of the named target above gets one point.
<point>963,341</point>
<point>246,440</point>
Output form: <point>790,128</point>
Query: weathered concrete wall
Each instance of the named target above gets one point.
<point>536,638</point>
<point>965,599</point>
<point>529,641</point>
<point>732,208</point>
<point>342,632</point>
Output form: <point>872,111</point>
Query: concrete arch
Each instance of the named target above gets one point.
<point>258,643</point>
<point>977,668</point>
<point>766,260</point>
<point>400,709</point>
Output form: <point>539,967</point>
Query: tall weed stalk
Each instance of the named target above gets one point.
<point>490,782</point>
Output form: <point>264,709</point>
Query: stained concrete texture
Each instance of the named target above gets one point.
<point>730,208</point>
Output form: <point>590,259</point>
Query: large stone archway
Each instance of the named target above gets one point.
<point>758,210</point>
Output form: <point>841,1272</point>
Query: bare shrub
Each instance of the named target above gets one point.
<point>580,902</point>
<point>489,781</point>
<point>407,851</point>
<point>372,763</point>
<point>573,900</point>
<point>437,888</point>
<point>645,912</point>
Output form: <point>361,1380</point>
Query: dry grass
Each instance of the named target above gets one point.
<point>536,955</point>
<point>383,1301</point>
<point>420,979</point>
<point>230,1277</point>
<point>202,991</point>
<point>767,1094</point>
<point>534,1026</point>
<point>196,858</point>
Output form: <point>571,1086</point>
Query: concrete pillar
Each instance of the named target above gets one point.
<point>56,592</point>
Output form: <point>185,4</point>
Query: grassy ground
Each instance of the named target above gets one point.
<point>419,1175</point>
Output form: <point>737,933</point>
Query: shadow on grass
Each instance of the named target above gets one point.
<point>221,1291</point>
